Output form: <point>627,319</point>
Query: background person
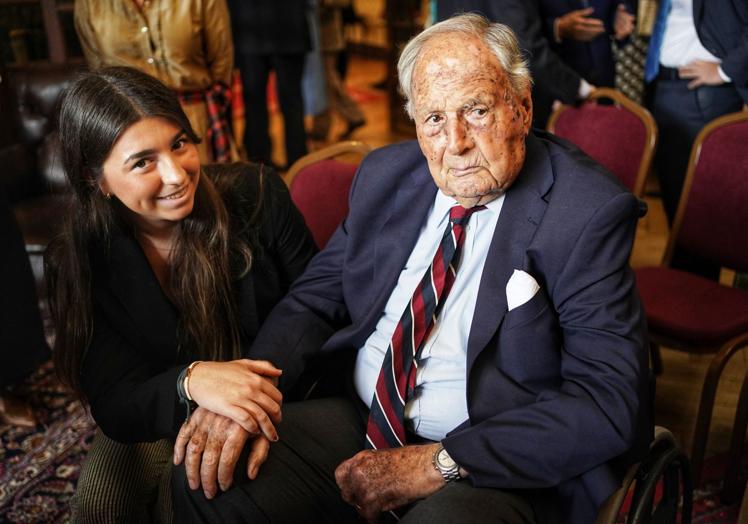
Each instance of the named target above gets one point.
<point>163,262</point>
<point>698,68</point>
<point>186,44</point>
<point>271,36</point>
<point>332,41</point>
<point>581,32</point>
<point>22,343</point>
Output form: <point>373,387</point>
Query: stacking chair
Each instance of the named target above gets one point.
<point>319,186</point>
<point>622,136</point>
<point>691,313</point>
<point>665,462</point>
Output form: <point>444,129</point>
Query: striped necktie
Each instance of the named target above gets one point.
<point>397,377</point>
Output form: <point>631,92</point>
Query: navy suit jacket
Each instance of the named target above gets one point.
<point>722,26</point>
<point>557,388</point>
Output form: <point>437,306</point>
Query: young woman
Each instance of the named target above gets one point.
<point>160,281</point>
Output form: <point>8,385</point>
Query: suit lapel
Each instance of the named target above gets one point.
<point>395,240</point>
<point>133,282</point>
<point>522,211</point>
<point>698,5</point>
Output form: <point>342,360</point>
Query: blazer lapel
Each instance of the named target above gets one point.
<point>698,5</point>
<point>135,285</point>
<point>522,211</point>
<point>399,233</point>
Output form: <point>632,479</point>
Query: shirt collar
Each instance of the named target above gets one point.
<point>443,203</point>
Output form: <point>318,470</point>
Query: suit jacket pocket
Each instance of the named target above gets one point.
<point>529,344</point>
<point>527,312</point>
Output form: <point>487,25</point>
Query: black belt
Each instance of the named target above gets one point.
<point>668,73</point>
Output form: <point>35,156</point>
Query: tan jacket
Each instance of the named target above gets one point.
<point>184,43</point>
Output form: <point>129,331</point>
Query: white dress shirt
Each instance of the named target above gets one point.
<point>680,43</point>
<point>439,403</point>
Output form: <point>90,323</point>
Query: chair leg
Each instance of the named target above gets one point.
<point>656,358</point>
<point>671,465</point>
<point>706,403</point>
<point>735,457</point>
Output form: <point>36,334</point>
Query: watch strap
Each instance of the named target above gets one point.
<point>449,474</point>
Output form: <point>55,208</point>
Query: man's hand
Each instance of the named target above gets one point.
<point>210,446</point>
<point>377,481</point>
<point>702,72</point>
<point>577,25</point>
<point>243,390</point>
<point>623,23</point>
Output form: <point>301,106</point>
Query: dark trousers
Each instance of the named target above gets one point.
<point>680,114</point>
<point>22,343</point>
<point>297,483</point>
<point>255,69</point>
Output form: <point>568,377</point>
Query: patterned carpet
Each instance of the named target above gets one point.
<point>39,467</point>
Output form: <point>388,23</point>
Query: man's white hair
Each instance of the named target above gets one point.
<point>499,38</point>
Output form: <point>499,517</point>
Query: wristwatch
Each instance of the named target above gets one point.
<point>445,465</point>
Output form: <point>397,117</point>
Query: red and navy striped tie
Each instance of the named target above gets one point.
<point>397,378</point>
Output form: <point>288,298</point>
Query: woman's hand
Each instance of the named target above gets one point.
<point>243,390</point>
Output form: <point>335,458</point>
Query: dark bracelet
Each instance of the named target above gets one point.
<point>190,405</point>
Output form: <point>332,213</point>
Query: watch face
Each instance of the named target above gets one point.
<point>444,460</point>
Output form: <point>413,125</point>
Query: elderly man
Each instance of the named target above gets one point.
<point>481,284</point>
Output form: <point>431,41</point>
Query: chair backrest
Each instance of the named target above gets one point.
<point>622,136</point>
<point>712,216</point>
<point>319,186</point>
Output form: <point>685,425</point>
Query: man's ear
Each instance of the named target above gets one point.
<point>526,103</point>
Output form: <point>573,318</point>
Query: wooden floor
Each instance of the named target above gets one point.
<point>678,388</point>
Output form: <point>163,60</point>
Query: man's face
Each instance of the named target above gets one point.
<point>471,125</point>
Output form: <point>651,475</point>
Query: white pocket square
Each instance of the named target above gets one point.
<point>520,289</point>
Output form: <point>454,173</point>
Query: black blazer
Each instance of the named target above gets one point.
<point>130,370</point>
<point>722,26</point>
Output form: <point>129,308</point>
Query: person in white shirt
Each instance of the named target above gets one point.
<point>698,63</point>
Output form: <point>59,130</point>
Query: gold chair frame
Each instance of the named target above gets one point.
<point>332,151</point>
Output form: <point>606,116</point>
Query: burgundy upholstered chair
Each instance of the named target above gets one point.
<point>691,313</point>
<point>319,186</point>
<point>622,136</point>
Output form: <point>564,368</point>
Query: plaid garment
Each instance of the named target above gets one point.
<point>217,99</point>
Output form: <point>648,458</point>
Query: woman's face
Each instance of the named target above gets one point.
<point>153,169</point>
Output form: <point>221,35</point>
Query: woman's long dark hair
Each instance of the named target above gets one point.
<point>96,109</point>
